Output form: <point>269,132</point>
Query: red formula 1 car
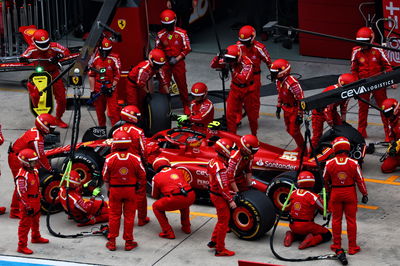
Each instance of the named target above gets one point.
<point>274,170</point>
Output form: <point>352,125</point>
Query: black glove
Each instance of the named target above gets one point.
<point>23,60</point>
<point>106,91</point>
<point>173,60</point>
<point>364,199</point>
<point>299,120</point>
<point>278,112</point>
<point>92,94</point>
<point>225,72</point>
<point>29,211</point>
<point>392,149</point>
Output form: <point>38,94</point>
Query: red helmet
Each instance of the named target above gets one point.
<point>341,144</point>
<point>224,147</point>
<point>45,123</point>
<point>27,156</point>
<point>305,179</point>
<point>247,34</point>
<point>346,78</point>
<point>250,144</point>
<point>199,89</point>
<point>390,107</point>
<point>280,68</point>
<point>232,52</point>
<point>130,114</point>
<point>106,44</point>
<point>161,162</point>
<point>157,56</point>
<point>74,179</point>
<point>121,140</point>
<point>167,16</point>
<point>41,40</point>
<point>329,88</point>
<point>365,34</point>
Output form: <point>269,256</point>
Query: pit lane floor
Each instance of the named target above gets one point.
<point>377,221</point>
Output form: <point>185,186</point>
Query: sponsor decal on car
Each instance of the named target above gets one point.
<point>275,165</point>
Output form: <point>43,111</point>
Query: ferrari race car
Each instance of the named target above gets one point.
<point>274,170</point>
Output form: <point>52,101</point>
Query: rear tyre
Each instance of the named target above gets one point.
<point>157,114</point>
<point>50,188</point>
<point>254,216</point>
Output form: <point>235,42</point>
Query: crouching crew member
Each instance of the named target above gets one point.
<point>2,209</point>
<point>240,163</point>
<point>131,115</point>
<point>341,174</point>
<point>123,173</point>
<point>27,184</point>
<point>304,203</point>
<point>391,110</point>
<point>220,195</point>
<point>85,212</point>
<point>172,193</point>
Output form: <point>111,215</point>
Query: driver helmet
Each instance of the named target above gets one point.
<point>346,78</point>
<point>105,47</point>
<point>121,140</point>
<point>157,58</point>
<point>249,144</point>
<point>390,107</point>
<point>41,39</point>
<point>74,179</point>
<point>199,89</point>
<point>247,34</point>
<point>305,179</point>
<point>45,123</point>
<point>160,163</point>
<point>130,114</point>
<point>28,158</point>
<point>341,145</point>
<point>280,69</point>
<point>365,34</point>
<point>224,147</point>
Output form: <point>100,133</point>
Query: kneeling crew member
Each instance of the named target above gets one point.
<point>304,202</point>
<point>172,193</point>
<point>86,212</point>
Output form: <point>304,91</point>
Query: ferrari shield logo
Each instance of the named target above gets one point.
<point>303,105</point>
<point>75,80</point>
<point>121,23</point>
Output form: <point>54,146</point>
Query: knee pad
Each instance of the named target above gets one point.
<point>327,236</point>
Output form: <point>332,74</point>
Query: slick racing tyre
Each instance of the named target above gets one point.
<point>87,162</point>
<point>49,189</point>
<point>254,216</point>
<point>157,114</point>
<point>279,189</point>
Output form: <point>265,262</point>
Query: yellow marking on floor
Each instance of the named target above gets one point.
<point>15,90</point>
<point>382,182</point>
<point>367,207</point>
<point>392,178</point>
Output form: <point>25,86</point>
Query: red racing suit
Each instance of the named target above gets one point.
<point>390,164</point>
<point>341,174</point>
<point>137,82</point>
<point>304,204</point>
<point>95,211</point>
<point>175,44</point>
<point>32,52</point>
<point>328,114</point>
<point>220,197</point>
<point>2,209</point>
<point>27,185</point>
<point>289,95</point>
<point>257,53</point>
<point>202,113</point>
<point>123,171</point>
<point>112,67</point>
<point>31,139</point>
<point>166,188</point>
<point>366,63</point>
<point>239,167</point>
<point>138,148</point>
<point>241,93</point>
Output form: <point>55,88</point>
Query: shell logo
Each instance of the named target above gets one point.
<point>174,176</point>
<point>362,59</point>
<point>109,61</point>
<point>33,182</point>
<point>297,206</point>
<point>123,171</point>
<point>30,31</point>
<point>342,176</point>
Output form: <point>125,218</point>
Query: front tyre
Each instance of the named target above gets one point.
<point>49,189</point>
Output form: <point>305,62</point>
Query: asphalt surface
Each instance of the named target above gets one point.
<point>378,229</point>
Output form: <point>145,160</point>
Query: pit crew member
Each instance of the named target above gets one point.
<point>2,209</point>
<point>391,110</point>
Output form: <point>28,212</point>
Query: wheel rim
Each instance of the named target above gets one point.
<point>279,197</point>
<point>84,172</point>
<point>51,192</point>
<point>243,219</point>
